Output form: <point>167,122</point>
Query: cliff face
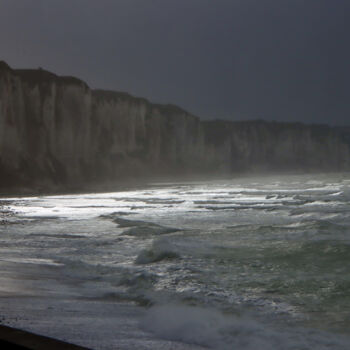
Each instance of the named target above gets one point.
<point>55,130</point>
<point>262,146</point>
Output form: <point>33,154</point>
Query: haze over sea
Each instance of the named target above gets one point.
<point>245,263</point>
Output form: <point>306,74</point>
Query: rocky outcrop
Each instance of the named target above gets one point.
<point>57,131</point>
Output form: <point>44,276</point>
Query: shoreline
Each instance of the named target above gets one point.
<point>135,184</point>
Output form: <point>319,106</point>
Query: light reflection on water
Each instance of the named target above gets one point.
<point>277,245</point>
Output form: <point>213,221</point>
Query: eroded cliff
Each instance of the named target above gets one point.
<point>57,131</point>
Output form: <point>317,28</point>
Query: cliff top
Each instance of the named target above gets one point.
<point>261,122</point>
<point>40,75</point>
<point>4,66</point>
<point>124,96</point>
<point>36,76</point>
<point>118,95</point>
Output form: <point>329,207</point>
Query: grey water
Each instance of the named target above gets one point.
<point>245,263</point>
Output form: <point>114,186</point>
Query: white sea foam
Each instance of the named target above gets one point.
<point>275,247</point>
<point>35,261</point>
<point>161,249</point>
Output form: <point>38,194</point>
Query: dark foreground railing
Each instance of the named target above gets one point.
<point>12,338</point>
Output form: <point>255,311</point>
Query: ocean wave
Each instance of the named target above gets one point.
<point>143,228</point>
<point>35,261</point>
<point>115,215</point>
<point>160,250</point>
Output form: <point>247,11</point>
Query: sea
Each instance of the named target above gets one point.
<point>251,262</point>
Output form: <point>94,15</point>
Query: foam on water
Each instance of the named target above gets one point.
<point>250,263</point>
<point>35,261</point>
<point>161,249</point>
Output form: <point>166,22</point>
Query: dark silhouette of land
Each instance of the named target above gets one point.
<point>12,338</point>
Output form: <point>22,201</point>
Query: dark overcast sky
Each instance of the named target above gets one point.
<point>285,60</point>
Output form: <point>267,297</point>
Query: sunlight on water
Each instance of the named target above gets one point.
<point>274,249</point>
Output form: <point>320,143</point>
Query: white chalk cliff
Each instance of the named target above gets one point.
<point>57,131</point>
